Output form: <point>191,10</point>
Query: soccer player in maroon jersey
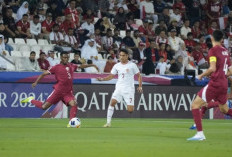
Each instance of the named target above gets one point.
<point>216,89</point>
<point>63,90</point>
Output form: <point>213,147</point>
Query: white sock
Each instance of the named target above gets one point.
<point>200,133</point>
<point>110,113</point>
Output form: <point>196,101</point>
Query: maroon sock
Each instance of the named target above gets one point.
<point>37,103</point>
<point>212,104</point>
<point>203,110</point>
<point>197,119</point>
<point>73,112</point>
<point>229,112</point>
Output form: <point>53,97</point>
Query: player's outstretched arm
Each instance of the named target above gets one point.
<point>39,78</point>
<point>139,89</point>
<point>211,69</point>
<point>88,65</point>
<point>107,78</point>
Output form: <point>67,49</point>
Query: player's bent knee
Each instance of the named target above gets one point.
<point>223,110</point>
<point>130,110</point>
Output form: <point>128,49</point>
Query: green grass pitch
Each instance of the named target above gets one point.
<point>126,138</point>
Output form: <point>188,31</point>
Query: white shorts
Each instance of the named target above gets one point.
<point>128,97</point>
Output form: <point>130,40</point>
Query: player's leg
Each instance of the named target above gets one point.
<point>37,103</point>
<point>225,109</point>
<point>73,110</point>
<point>197,103</point>
<point>129,99</point>
<point>110,111</point>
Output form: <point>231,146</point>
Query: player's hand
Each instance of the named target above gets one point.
<point>199,77</point>
<point>34,84</point>
<point>99,78</point>
<point>140,89</point>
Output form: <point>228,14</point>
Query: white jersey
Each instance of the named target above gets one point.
<point>126,74</point>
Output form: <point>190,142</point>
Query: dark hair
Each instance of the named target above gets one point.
<point>190,34</point>
<point>109,30</point>
<point>55,25</point>
<point>32,52</point>
<point>124,50</point>
<point>36,16</point>
<point>25,15</point>
<point>63,53</point>
<point>218,35</point>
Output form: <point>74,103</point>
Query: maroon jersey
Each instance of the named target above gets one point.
<point>24,26</point>
<point>218,78</point>
<point>64,76</point>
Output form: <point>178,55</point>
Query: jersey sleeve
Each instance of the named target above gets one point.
<point>135,69</point>
<point>75,66</point>
<point>52,70</point>
<point>212,56</point>
<point>114,70</point>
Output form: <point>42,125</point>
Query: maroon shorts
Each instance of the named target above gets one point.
<point>209,93</point>
<point>57,96</point>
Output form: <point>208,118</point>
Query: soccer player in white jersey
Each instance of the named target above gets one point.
<point>125,88</point>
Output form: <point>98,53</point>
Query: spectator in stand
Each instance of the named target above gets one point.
<point>68,23</point>
<point>103,6</point>
<point>3,53</point>
<point>9,23</point>
<point>71,40</point>
<point>213,12</point>
<point>107,23</point>
<point>89,51</point>
<point>53,9</point>
<point>212,28</point>
<point>189,42</point>
<point>159,6</point>
<point>128,40</point>
<point>162,38</point>
<point>165,16</point>
<point>99,25</point>
<point>43,62</point>
<point>74,13</point>
<point>151,57</point>
<point>174,41</point>
<point>51,59</point>
<point>204,47</point>
<point>22,10</point>
<point>76,60</point>
<point>3,30</point>
<point>31,64</point>
<point>120,19</point>
<point>98,37</point>
<point>150,30</point>
<point>57,38</point>
<point>81,36</point>
<point>185,29</point>
<point>138,54</point>
<point>143,28</point>
<point>23,27</point>
<point>199,57</point>
<point>123,4</point>
<point>203,28</point>
<point>162,66</point>
<point>88,25</point>
<point>89,14</point>
<point>149,10</point>
<point>136,38</point>
<point>116,38</point>
<point>14,4</point>
<point>59,21</point>
<point>176,15</point>
<point>170,52</point>
<point>42,14</point>
<point>173,25</point>
<point>134,8</point>
<point>47,26</point>
<point>225,8</point>
<point>8,47</point>
<point>109,64</point>
<point>107,40</point>
<point>179,4</point>
<point>162,52</point>
<point>35,27</point>
<point>196,29</point>
<point>162,27</point>
<point>194,12</point>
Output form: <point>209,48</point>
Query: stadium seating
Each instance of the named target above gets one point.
<point>16,53</point>
<point>43,42</point>
<point>26,53</point>
<point>19,41</point>
<point>31,42</point>
<point>24,48</point>
<point>10,41</point>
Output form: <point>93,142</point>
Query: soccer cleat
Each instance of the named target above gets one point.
<point>68,126</point>
<point>197,137</point>
<point>107,125</point>
<point>27,99</point>
<point>193,127</point>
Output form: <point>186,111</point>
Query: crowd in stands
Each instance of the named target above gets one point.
<point>161,36</point>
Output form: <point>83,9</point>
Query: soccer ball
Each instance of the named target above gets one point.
<point>75,123</point>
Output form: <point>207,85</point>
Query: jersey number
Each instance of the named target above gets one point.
<point>69,75</point>
<point>225,67</point>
